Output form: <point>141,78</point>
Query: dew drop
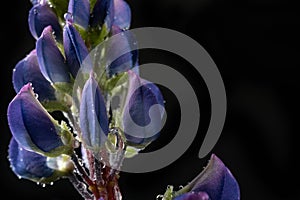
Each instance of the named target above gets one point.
<point>36,96</point>
<point>38,183</point>
<point>19,177</point>
<point>68,17</point>
<point>180,187</point>
<point>164,102</point>
<point>35,11</point>
<point>43,185</point>
<point>21,149</point>
<point>81,186</point>
<point>76,144</point>
<point>14,70</point>
<point>51,183</point>
<point>159,197</point>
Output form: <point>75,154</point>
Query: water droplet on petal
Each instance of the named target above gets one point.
<point>68,17</point>
<point>35,11</point>
<point>19,177</point>
<point>51,183</point>
<point>37,183</point>
<point>76,144</point>
<point>43,185</point>
<point>36,96</point>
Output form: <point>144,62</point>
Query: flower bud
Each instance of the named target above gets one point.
<point>41,16</point>
<point>34,128</point>
<point>122,14</point>
<point>143,111</point>
<point>30,165</point>
<point>51,61</point>
<point>28,71</point>
<point>75,49</point>
<point>80,10</point>
<point>93,116</point>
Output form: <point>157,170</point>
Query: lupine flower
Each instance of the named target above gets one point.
<point>93,117</point>
<point>193,196</point>
<point>40,16</point>
<point>80,11</point>
<point>143,110</point>
<point>103,13</point>
<point>123,42</point>
<point>51,60</point>
<point>122,14</point>
<point>33,127</point>
<point>74,47</point>
<point>33,166</point>
<point>27,71</point>
<point>215,182</point>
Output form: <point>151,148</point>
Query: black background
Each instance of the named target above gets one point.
<point>255,45</point>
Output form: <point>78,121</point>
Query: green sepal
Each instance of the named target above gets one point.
<point>60,7</point>
<point>52,106</point>
<point>169,193</point>
<point>63,87</point>
<point>131,152</point>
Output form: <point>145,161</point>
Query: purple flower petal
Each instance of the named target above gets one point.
<point>51,61</point>
<point>80,10</point>
<point>121,43</point>
<point>31,125</point>
<point>122,14</point>
<point>193,196</point>
<point>103,13</point>
<point>41,16</point>
<point>93,116</point>
<point>28,71</point>
<point>217,181</point>
<point>144,109</point>
<point>29,165</point>
<point>75,49</point>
